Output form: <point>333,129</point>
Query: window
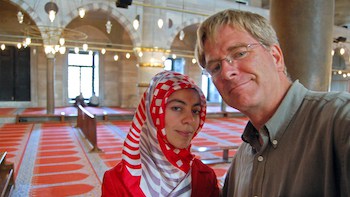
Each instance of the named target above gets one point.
<point>208,88</point>
<point>83,75</point>
<point>210,91</point>
<point>176,65</point>
<point>15,74</point>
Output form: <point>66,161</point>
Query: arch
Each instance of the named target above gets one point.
<point>115,14</point>
<point>29,10</point>
<point>184,24</point>
<point>341,61</point>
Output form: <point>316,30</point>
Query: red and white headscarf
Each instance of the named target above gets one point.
<point>150,162</point>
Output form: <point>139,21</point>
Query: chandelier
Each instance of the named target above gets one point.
<point>55,39</point>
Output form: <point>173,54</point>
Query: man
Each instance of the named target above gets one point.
<point>297,141</point>
<point>93,101</point>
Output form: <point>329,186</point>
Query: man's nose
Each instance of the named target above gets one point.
<point>228,69</point>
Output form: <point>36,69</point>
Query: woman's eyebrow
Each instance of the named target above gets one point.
<point>183,102</point>
<point>177,100</point>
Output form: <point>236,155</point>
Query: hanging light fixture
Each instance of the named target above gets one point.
<point>20,17</point>
<point>28,40</point>
<point>51,8</point>
<point>85,47</point>
<point>127,55</point>
<point>160,23</point>
<point>3,47</point>
<point>62,49</point>
<point>19,45</point>
<point>103,51</point>
<point>76,50</point>
<point>24,44</point>
<point>194,61</point>
<point>182,35</point>
<point>108,26</point>
<point>116,57</point>
<point>49,49</point>
<point>62,41</point>
<point>81,12</point>
<point>136,22</point>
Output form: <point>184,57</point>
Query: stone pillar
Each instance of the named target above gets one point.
<point>149,65</point>
<point>50,108</point>
<point>304,29</point>
<point>152,51</point>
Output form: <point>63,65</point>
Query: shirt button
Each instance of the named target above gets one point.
<point>260,158</point>
<point>274,142</point>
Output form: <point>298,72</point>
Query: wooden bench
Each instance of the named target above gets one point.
<point>7,181</point>
<point>37,118</point>
<point>86,122</point>
<point>225,153</point>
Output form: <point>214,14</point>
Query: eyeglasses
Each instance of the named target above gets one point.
<point>213,68</point>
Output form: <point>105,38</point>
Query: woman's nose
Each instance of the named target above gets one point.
<point>188,117</point>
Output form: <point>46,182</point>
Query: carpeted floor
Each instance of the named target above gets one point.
<point>53,159</point>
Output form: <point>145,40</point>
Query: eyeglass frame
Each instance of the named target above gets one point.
<point>229,58</point>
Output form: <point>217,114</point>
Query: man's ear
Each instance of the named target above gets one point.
<point>277,55</point>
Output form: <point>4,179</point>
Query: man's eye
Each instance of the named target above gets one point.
<point>214,68</point>
<point>239,54</point>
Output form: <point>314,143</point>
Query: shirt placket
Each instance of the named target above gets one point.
<point>259,166</point>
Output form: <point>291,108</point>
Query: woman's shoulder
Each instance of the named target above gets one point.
<point>198,165</point>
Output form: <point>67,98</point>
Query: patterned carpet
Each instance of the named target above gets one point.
<point>72,111</point>
<point>53,159</point>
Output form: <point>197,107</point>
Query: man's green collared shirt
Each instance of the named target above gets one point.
<point>305,150</point>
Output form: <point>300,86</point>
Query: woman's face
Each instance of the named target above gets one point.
<point>182,117</point>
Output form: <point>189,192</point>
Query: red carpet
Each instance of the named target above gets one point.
<point>111,145</point>
<point>73,110</point>
<point>61,166</point>
<point>7,111</point>
<point>13,139</point>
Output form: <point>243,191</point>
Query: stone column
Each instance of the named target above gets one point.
<point>152,51</point>
<point>304,29</point>
<point>50,108</point>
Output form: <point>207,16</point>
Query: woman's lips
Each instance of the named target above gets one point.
<point>184,133</point>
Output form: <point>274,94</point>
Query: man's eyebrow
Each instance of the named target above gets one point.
<point>229,49</point>
<point>233,47</point>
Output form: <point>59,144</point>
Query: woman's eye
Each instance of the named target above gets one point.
<point>175,108</point>
<point>196,111</point>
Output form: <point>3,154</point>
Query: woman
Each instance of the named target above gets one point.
<point>156,157</point>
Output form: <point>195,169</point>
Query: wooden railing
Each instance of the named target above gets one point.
<point>7,181</point>
<point>86,122</point>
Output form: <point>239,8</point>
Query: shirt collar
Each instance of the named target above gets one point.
<point>281,118</point>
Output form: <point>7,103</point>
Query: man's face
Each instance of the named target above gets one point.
<point>249,79</point>
<point>182,117</point>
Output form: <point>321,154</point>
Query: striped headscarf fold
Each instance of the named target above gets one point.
<point>153,164</point>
